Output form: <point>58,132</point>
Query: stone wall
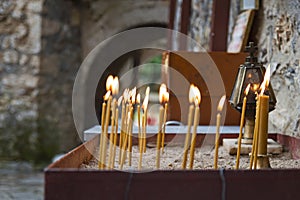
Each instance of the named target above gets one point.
<point>101,19</point>
<point>42,43</point>
<point>60,60</point>
<point>20,46</point>
<point>200,22</point>
<point>39,57</point>
<point>277,31</point>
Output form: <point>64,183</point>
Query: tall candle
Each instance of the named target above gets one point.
<point>115,138</point>
<point>142,146</point>
<point>145,108</point>
<point>262,148</point>
<point>197,100</point>
<point>187,136</point>
<point>130,136</point>
<point>217,141</point>
<point>111,135</point>
<point>194,135</point>
<point>158,141</point>
<point>145,130</point>
<point>164,127</point>
<point>103,161</point>
<point>102,133</point>
<point>125,142</point>
<point>253,156</point>
<point>165,100</point>
<point>121,139</point>
<point>241,127</point>
<point>220,107</point>
<point>138,97</point>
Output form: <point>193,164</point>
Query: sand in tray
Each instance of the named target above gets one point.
<point>171,159</point>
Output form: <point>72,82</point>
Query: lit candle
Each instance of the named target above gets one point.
<point>115,138</point>
<point>241,127</point>
<point>123,156</point>
<point>165,99</point>
<point>133,96</point>
<point>130,136</point>
<point>122,126</point>
<point>144,124</point>
<point>109,85</point>
<point>115,89</point>
<point>196,122</point>
<point>220,107</point>
<point>253,156</point>
<point>111,135</point>
<point>145,108</point>
<point>138,100</point>
<point>158,142</point>
<point>142,145</point>
<point>188,133</point>
<point>162,91</point>
<point>164,124</point>
<point>123,122</point>
<point>102,128</point>
<point>105,132</point>
<point>262,147</point>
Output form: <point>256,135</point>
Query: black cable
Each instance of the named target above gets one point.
<point>127,190</point>
<point>223,181</point>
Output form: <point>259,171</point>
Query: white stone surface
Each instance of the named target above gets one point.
<point>10,57</point>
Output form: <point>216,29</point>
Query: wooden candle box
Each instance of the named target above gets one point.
<point>64,179</point>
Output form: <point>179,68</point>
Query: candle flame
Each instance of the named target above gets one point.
<point>166,97</point>
<point>126,95</point>
<point>194,95</point>
<point>165,58</point>
<point>120,100</point>
<point>162,91</point>
<point>146,99</point>
<point>109,82</point>
<point>191,94</point>
<point>266,81</point>
<point>197,96</point>
<point>145,103</point>
<point>106,96</point>
<point>147,91</point>
<point>254,87</point>
<point>138,98</point>
<point>221,103</point>
<point>133,95</point>
<point>247,89</point>
<point>115,86</point>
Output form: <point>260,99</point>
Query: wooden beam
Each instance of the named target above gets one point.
<point>185,21</point>
<point>219,25</point>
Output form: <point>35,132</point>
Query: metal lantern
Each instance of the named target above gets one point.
<point>251,72</point>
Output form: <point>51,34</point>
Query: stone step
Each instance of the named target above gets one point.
<point>231,146</point>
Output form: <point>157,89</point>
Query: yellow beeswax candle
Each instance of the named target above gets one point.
<point>102,133</point>
<point>220,107</point>
<point>107,116</point>
<point>194,135</point>
<point>241,127</point>
<point>158,141</point>
<point>187,136</point>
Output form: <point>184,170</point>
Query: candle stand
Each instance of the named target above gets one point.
<point>251,72</point>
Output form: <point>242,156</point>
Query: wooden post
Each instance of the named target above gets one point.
<point>219,25</point>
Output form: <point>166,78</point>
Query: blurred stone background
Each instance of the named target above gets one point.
<point>43,42</point>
